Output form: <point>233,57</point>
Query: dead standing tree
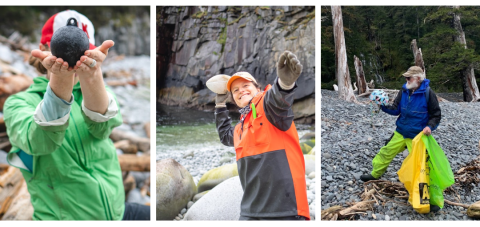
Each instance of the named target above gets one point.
<point>345,90</point>
<point>417,55</point>
<point>362,83</point>
<point>470,88</point>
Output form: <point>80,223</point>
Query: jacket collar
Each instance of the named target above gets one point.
<point>40,85</point>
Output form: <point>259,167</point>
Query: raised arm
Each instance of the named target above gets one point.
<point>278,101</point>
<point>100,109</point>
<point>223,121</point>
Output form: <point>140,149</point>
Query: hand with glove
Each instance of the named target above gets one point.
<point>221,100</point>
<point>288,70</point>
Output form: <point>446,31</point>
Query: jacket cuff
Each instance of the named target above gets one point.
<point>40,119</point>
<point>98,117</point>
<point>221,109</point>
<point>277,83</point>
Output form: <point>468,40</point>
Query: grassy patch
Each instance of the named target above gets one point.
<point>222,39</point>
<point>199,14</point>
<point>237,20</point>
<point>291,38</point>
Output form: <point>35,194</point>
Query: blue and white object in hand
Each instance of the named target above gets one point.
<point>379,97</point>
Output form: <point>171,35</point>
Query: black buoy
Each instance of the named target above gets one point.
<point>69,42</point>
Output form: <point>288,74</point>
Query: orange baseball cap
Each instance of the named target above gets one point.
<point>237,75</point>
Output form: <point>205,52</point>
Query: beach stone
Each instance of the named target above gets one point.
<point>189,204</point>
<point>175,187</point>
<point>216,176</point>
<point>309,164</point>
<point>311,175</point>
<point>199,196</point>
<point>221,203</point>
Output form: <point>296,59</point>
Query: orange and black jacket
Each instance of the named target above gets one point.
<point>270,162</point>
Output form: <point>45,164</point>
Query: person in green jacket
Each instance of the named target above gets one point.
<point>59,130</point>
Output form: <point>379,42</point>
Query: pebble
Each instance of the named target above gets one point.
<point>189,204</point>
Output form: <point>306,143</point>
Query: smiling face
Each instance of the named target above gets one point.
<point>243,91</point>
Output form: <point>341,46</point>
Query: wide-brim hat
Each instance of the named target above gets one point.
<point>237,75</point>
<point>60,19</point>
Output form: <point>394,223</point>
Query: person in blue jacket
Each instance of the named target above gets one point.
<point>418,110</point>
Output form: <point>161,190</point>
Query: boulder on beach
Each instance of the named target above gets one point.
<point>221,203</point>
<point>216,176</point>
<point>175,188</point>
<point>309,164</point>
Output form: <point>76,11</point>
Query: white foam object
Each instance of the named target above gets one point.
<point>218,83</point>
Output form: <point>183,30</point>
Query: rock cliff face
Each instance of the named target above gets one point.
<point>196,43</point>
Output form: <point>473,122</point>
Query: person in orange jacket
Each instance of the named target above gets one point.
<point>270,162</point>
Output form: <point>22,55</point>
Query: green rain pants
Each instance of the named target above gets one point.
<point>388,152</point>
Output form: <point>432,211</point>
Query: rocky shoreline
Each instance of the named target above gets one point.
<point>349,143</point>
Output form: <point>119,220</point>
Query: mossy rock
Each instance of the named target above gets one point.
<point>216,176</point>
<point>312,152</point>
<point>305,148</point>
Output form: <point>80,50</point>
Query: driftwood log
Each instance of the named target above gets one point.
<point>143,144</point>
<point>126,146</point>
<point>10,184</point>
<point>131,162</point>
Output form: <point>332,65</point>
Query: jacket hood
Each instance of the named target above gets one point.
<point>40,85</point>
<point>423,86</point>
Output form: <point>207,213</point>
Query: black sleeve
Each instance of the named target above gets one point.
<point>224,126</point>
<point>434,111</point>
<point>395,103</point>
<point>278,106</point>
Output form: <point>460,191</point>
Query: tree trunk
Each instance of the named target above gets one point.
<point>417,55</point>
<point>345,90</point>
<point>470,88</point>
<point>362,83</point>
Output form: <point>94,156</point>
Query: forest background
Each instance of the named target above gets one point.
<point>381,37</point>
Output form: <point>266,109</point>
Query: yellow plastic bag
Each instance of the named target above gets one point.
<point>415,175</point>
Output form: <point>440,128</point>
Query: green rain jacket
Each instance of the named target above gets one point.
<point>76,174</point>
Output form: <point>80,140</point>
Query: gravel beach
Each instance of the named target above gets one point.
<point>350,142</point>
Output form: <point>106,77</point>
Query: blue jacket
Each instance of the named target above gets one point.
<point>415,113</point>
